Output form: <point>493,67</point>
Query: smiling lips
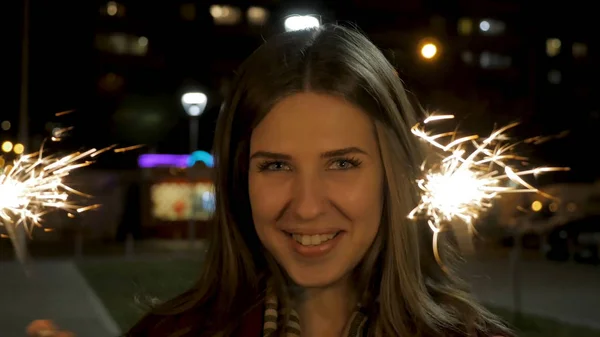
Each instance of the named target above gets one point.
<point>313,240</point>
<point>314,245</point>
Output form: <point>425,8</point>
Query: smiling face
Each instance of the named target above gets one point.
<point>316,186</point>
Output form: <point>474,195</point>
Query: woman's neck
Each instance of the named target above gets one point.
<point>325,311</point>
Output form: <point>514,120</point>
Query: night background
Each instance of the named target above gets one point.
<point>118,70</point>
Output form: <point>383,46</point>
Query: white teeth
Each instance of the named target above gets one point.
<point>313,240</point>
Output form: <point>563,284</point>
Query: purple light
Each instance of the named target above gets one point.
<point>154,160</point>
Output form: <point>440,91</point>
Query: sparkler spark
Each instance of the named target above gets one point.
<point>34,185</point>
<point>471,173</point>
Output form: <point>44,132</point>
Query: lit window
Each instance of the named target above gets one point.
<point>465,26</point>
<point>5,125</point>
<point>225,15</point>
<point>492,27</point>
<point>489,60</point>
<point>113,8</point>
<point>188,12</point>
<point>257,15</point>
<point>111,82</point>
<point>553,47</point>
<point>138,46</point>
<point>467,57</point>
<point>579,50</point>
<point>554,76</point>
<point>122,44</point>
<point>117,43</point>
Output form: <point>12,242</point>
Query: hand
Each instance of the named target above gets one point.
<point>46,328</point>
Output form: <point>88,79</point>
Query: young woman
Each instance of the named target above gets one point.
<point>315,176</point>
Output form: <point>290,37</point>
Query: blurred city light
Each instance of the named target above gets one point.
<point>465,26</point>
<point>193,98</point>
<point>553,47</point>
<point>112,8</point>
<point>257,15</point>
<point>156,160</point>
<point>225,15</point>
<point>484,25</point>
<point>175,160</point>
<point>201,156</point>
<point>7,146</point>
<point>492,27</point>
<point>6,125</point>
<point>142,41</point>
<point>18,148</point>
<point>194,103</point>
<point>300,22</point>
<point>429,50</point>
<point>580,50</point>
<point>536,206</point>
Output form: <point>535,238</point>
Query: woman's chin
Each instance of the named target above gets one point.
<point>310,279</point>
<point>312,283</point>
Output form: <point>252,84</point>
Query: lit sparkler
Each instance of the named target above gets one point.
<point>471,173</point>
<point>34,185</point>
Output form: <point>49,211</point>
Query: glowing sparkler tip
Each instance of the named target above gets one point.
<point>472,174</point>
<point>33,185</point>
<point>469,177</point>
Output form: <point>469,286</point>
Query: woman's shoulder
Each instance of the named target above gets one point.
<point>251,323</point>
<point>155,325</point>
<point>194,322</point>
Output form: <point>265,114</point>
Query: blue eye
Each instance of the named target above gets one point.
<point>344,164</point>
<point>273,166</point>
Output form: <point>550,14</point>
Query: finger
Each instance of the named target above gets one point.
<point>40,325</point>
<point>53,333</point>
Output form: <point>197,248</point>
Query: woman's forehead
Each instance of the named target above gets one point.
<point>313,120</point>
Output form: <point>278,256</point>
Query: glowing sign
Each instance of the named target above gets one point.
<point>175,160</point>
<point>201,156</point>
<point>173,201</point>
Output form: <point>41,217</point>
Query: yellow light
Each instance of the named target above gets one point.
<point>112,8</point>
<point>536,206</point>
<point>429,50</point>
<point>19,148</point>
<point>7,146</point>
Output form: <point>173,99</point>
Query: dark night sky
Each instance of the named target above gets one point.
<point>11,68</point>
<point>56,62</point>
<point>62,68</point>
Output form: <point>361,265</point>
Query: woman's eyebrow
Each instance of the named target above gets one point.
<point>327,154</point>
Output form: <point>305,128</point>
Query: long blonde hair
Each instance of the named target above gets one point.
<point>404,290</point>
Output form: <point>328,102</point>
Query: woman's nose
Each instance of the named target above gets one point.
<point>309,200</point>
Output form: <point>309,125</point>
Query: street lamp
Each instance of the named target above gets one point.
<point>429,49</point>
<point>300,22</point>
<point>194,103</point>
